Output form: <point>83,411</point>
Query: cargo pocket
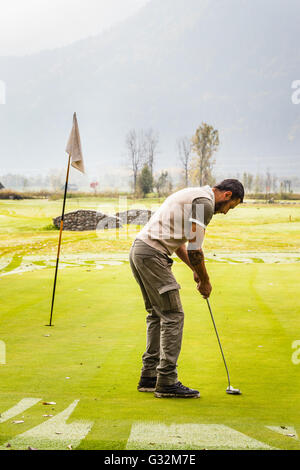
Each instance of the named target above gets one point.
<point>170,298</point>
<point>159,261</point>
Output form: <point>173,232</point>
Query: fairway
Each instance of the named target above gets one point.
<point>87,366</point>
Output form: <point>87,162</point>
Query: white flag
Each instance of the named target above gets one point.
<point>74,146</point>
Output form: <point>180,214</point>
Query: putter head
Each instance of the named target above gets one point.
<point>233,391</point>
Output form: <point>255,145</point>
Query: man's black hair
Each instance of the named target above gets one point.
<point>235,186</point>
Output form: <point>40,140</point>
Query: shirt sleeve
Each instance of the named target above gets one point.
<point>202,211</point>
<point>197,238</point>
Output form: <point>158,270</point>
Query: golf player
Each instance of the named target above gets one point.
<point>177,226</point>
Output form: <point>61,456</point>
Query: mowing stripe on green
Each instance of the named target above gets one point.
<point>185,436</point>
<point>22,406</point>
<point>53,434</point>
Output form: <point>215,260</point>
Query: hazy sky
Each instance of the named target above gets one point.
<point>28,26</point>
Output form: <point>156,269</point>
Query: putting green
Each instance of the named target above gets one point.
<point>88,364</point>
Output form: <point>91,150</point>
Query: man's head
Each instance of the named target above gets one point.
<point>228,194</point>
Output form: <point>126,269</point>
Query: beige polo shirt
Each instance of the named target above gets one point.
<point>170,225</point>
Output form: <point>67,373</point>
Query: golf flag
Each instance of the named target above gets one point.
<point>74,146</point>
<point>75,159</point>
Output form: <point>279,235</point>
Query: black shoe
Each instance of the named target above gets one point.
<point>147,384</point>
<point>176,390</point>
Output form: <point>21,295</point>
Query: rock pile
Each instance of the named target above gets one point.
<point>87,220</point>
<point>135,216</point>
<point>91,220</point>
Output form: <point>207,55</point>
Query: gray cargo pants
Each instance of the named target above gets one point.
<point>152,271</point>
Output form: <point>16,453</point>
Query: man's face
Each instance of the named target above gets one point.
<point>223,206</point>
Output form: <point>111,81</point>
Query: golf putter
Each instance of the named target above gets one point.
<point>230,390</point>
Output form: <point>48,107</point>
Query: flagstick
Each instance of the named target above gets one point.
<point>59,240</point>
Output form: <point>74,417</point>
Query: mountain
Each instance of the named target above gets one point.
<point>171,66</point>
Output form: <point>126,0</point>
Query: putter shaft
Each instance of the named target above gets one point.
<point>210,311</point>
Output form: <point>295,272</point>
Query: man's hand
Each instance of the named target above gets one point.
<point>196,277</point>
<point>204,288</point>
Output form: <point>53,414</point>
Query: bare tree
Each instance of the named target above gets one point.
<point>274,183</point>
<point>258,183</point>
<point>25,183</point>
<point>268,182</point>
<point>184,150</point>
<point>136,153</point>
<point>56,179</point>
<point>287,186</point>
<point>247,181</point>
<point>151,148</point>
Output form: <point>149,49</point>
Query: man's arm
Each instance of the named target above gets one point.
<point>196,260</point>
<point>182,253</point>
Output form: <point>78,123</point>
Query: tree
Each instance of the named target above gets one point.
<point>151,144</point>
<point>268,182</point>
<point>56,179</point>
<point>94,185</point>
<point>136,153</point>
<point>25,183</point>
<point>287,186</point>
<point>274,183</point>
<point>184,150</point>
<point>163,184</point>
<point>205,143</point>
<point>258,184</point>
<point>247,181</point>
<point>145,181</point>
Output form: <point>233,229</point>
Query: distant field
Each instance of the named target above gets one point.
<point>258,228</point>
<point>88,364</point>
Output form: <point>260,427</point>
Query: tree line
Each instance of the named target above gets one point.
<point>196,156</point>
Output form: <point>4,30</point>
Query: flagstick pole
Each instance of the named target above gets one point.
<point>59,240</point>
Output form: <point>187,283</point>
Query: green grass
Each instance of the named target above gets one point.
<point>259,228</point>
<point>99,332</point>
<point>98,339</point>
